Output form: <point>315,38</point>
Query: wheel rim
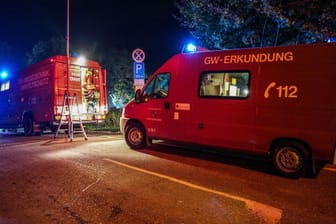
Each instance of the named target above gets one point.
<point>135,136</point>
<point>289,159</point>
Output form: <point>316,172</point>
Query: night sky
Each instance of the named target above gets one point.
<point>125,24</point>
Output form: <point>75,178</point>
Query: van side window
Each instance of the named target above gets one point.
<point>224,84</point>
<point>158,87</point>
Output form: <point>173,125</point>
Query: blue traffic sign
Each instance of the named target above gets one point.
<point>139,70</point>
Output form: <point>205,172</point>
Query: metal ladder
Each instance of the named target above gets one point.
<point>68,103</point>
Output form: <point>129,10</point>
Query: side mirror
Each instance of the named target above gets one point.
<point>137,96</point>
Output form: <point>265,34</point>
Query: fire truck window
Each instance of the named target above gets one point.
<point>90,89</point>
<point>158,87</point>
<point>4,86</point>
<point>224,84</point>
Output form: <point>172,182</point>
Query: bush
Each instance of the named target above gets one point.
<point>112,117</point>
<point>111,122</point>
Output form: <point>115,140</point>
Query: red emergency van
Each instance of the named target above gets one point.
<point>33,98</point>
<point>278,101</point>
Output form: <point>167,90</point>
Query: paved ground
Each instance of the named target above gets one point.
<point>102,181</point>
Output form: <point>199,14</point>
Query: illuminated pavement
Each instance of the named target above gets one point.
<point>46,180</point>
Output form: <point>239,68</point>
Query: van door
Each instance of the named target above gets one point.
<point>224,113</point>
<point>157,106</point>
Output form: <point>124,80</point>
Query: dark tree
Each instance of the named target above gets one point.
<point>119,67</point>
<point>45,49</point>
<point>310,21</point>
<point>220,24</point>
<point>7,59</point>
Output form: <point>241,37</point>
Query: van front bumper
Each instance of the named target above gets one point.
<point>122,123</point>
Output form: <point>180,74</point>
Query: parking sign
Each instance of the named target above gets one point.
<point>139,70</point>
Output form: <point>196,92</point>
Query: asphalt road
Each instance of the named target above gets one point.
<point>46,180</point>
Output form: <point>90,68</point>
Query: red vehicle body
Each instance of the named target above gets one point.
<point>278,101</point>
<point>33,98</point>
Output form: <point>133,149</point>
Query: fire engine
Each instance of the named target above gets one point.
<point>276,101</point>
<point>32,99</point>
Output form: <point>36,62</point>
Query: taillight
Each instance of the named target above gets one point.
<point>57,117</point>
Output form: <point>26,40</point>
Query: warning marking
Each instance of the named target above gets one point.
<point>268,213</point>
<point>90,185</point>
<point>330,169</point>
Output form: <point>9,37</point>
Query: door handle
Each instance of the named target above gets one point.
<point>166,105</point>
<point>200,125</point>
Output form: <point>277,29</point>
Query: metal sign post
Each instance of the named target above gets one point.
<point>67,93</point>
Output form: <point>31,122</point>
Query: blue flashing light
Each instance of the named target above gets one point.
<point>191,48</point>
<point>74,54</point>
<point>4,74</point>
<point>331,40</point>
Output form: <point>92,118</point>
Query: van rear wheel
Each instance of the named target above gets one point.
<point>290,158</point>
<point>135,136</point>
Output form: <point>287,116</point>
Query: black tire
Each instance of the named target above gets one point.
<point>28,127</point>
<point>135,136</point>
<point>53,128</point>
<point>290,159</point>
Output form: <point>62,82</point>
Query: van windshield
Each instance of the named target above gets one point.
<point>158,87</point>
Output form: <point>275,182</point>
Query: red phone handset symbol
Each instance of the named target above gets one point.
<point>266,93</point>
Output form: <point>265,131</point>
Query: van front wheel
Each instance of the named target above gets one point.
<point>135,136</point>
<point>28,127</point>
<point>290,158</point>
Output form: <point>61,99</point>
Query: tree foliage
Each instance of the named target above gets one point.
<point>6,55</point>
<point>44,49</point>
<point>5,50</point>
<point>311,21</point>
<point>119,77</point>
<point>220,24</point>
